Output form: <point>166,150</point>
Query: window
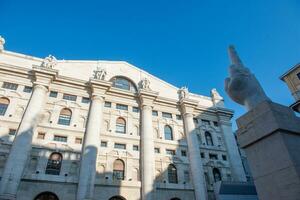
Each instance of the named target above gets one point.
<point>65,117</point>
<point>118,170</point>
<point>202,155</point>
<point>41,135</point>
<point>172,174</point>
<point>107,104</point>
<point>213,156</point>
<point>124,84</point>
<point>170,152</point>
<point>59,138</point>
<point>122,107</point>
<point>12,132</point>
<point>103,144</point>
<point>178,117</point>
<point>208,139</point>
<point>121,125</point>
<point>69,97</point>
<point>205,122</point>
<point>195,120</point>
<point>224,157</point>
<point>85,100</point>
<point>183,153</point>
<point>4,102</point>
<point>135,109</point>
<point>167,115</point>
<point>154,113</point>
<point>54,164</point>
<point>168,133</point>
<point>156,150</point>
<point>53,94</point>
<point>120,146</point>
<point>186,176</point>
<point>10,86</point>
<point>216,124</point>
<point>27,89</point>
<point>135,147</point>
<point>298,75</point>
<point>78,140</point>
<point>217,175</point>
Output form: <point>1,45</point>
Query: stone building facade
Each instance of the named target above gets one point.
<point>108,130</point>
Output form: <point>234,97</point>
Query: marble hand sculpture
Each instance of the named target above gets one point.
<point>241,85</point>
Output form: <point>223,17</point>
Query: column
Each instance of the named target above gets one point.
<point>196,164</point>
<point>21,147</point>
<point>147,145</point>
<point>238,173</point>
<point>91,143</point>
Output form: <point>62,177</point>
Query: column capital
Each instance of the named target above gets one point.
<point>188,105</point>
<point>44,76</point>
<point>99,87</point>
<point>147,97</point>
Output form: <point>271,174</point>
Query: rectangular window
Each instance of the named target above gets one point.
<point>195,121</point>
<point>170,152</point>
<point>186,176</point>
<point>107,104</point>
<point>53,94</point>
<point>41,135</point>
<point>27,89</point>
<point>178,117</point>
<point>12,132</point>
<point>64,120</point>
<point>122,107</point>
<point>78,140</point>
<point>103,144</point>
<point>69,97</point>
<point>298,75</point>
<point>135,147</point>
<point>216,124</point>
<point>213,156</point>
<point>3,107</point>
<point>120,146</point>
<point>224,157</point>
<point>135,109</point>
<point>156,150</point>
<point>167,115</point>
<point>59,138</point>
<point>183,153</point>
<point>202,155</point>
<point>205,122</point>
<point>11,86</point>
<point>85,100</point>
<point>154,113</point>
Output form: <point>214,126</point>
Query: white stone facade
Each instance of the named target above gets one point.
<point>32,128</point>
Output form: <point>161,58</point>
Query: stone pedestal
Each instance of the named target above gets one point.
<point>270,136</point>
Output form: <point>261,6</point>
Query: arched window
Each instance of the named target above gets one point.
<point>172,174</point>
<point>168,133</point>
<point>46,196</point>
<point>4,102</point>
<point>208,139</point>
<point>121,125</point>
<point>117,198</point>
<point>217,175</point>
<point>123,83</point>
<point>54,164</point>
<point>118,170</point>
<point>65,117</point>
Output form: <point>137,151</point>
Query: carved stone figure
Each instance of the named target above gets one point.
<point>145,84</point>
<point>49,62</point>
<point>183,92</point>
<point>2,42</point>
<point>215,94</point>
<point>100,73</point>
<point>241,85</point>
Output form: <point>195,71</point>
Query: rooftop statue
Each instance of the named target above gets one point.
<point>145,83</point>
<point>183,93</point>
<point>49,62</point>
<point>241,85</point>
<point>100,73</point>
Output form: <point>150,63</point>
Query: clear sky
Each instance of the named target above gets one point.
<point>182,42</point>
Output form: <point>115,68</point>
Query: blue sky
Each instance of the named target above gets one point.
<point>182,42</point>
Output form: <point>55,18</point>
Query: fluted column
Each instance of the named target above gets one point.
<point>147,144</point>
<point>196,164</point>
<point>21,147</point>
<point>91,141</point>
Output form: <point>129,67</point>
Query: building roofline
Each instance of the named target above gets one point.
<point>289,71</point>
